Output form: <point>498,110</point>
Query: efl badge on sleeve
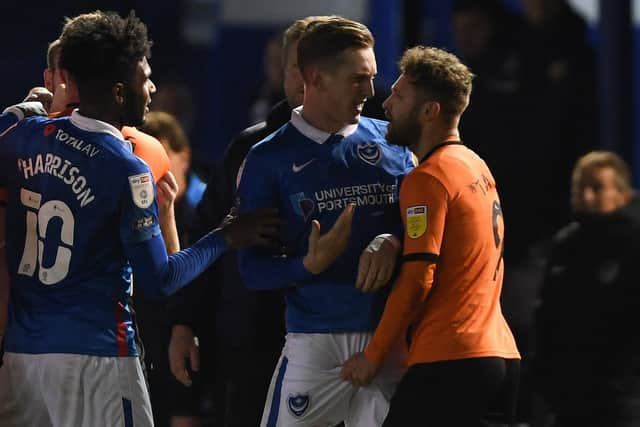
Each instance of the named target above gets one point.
<point>416,221</point>
<point>142,189</point>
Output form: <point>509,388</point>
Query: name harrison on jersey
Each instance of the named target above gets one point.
<point>60,168</point>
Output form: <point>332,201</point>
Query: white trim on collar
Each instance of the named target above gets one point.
<point>93,125</point>
<point>314,133</point>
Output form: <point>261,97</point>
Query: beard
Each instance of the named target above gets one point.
<point>133,111</point>
<point>406,132</point>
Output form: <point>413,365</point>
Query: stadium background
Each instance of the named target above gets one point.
<point>215,48</point>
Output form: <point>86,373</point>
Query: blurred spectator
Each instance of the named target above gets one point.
<point>173,404</point>
<point>249,325</point>
<point>559,72</point>
<point>588,349</point>
<point>270,92</point>
<point>531,114</point>
<point>174,97</point>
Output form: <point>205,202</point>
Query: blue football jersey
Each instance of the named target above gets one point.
<point>72,182</point>
<point>308,174</point>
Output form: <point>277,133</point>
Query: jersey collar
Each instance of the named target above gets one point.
<point>93,125</point>
<point>313,133</point>
<point>439,146</point>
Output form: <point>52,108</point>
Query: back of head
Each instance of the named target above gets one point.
<point>324,40</point>
<point>167,129</point>
<point>440,76</point>
<point>100,49</point>
<point>296,30</point>
<point>53,54</point>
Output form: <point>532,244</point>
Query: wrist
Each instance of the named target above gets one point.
<point>392,239</point>
<point>309,265</point>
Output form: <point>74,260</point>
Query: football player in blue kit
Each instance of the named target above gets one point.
<point>326,160</point>
<point>81,218</point>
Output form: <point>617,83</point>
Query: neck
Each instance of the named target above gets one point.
<point>316,116</point>
<point>429,139</point>
<point>101,114</point>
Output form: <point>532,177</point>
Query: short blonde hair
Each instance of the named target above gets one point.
<point>440,75</point>
<point>299,27</point>
<point>324,40</point>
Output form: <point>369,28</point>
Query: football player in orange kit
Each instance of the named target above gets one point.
<point>463,360</point>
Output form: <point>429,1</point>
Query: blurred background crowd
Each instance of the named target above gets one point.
<point>555,80</point>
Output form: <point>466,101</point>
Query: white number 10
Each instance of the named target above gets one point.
<point>38,217</point>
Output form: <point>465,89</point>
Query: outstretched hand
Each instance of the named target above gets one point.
<point>258,228</point>
<point>325,249</point>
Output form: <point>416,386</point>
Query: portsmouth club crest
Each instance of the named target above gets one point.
<point>370,153</point>
<point>302,205</point>
<point>298,404</point>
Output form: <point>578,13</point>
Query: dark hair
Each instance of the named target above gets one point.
<point>440,75</point>
<point>100,49</point>
<point>324,40</point>
<point>167,129</point>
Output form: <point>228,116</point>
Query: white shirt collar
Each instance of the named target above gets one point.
<point>93,125</point>
<point>313,133</point>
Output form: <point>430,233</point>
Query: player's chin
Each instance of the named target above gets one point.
<point>354,117</point>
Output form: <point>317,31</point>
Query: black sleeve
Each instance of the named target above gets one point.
<point>186,306</point>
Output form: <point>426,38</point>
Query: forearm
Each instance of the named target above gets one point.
<point>265,271</point>
<point>169,229</point>
<point>404,303</point>
<point>162,275</point>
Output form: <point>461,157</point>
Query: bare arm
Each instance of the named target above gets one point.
<point>167,190</point>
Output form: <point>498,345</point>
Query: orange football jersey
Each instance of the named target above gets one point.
<point>448,291</point>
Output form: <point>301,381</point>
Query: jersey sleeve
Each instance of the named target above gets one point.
<point>139,210</point>
<point>148,149</point>
<point>154,271</point>
<point>261,269</point>
<point>423,206</point>
<point>7,120</point>
<point>6,152</point>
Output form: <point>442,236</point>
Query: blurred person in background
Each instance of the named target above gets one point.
<point>534,99</point>
<point>173,404</point>
<point>270,92</point>
<point>588,347</point>
<point>247,327</point>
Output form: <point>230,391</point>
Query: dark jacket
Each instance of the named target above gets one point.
<point>244,319</point>
<point>588,348</point>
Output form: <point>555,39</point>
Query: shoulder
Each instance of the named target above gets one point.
<point>274,143</point>
<point>373,131</point>
<point>149,149</point>
<point>422,177</point>
<point>374,126</point>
